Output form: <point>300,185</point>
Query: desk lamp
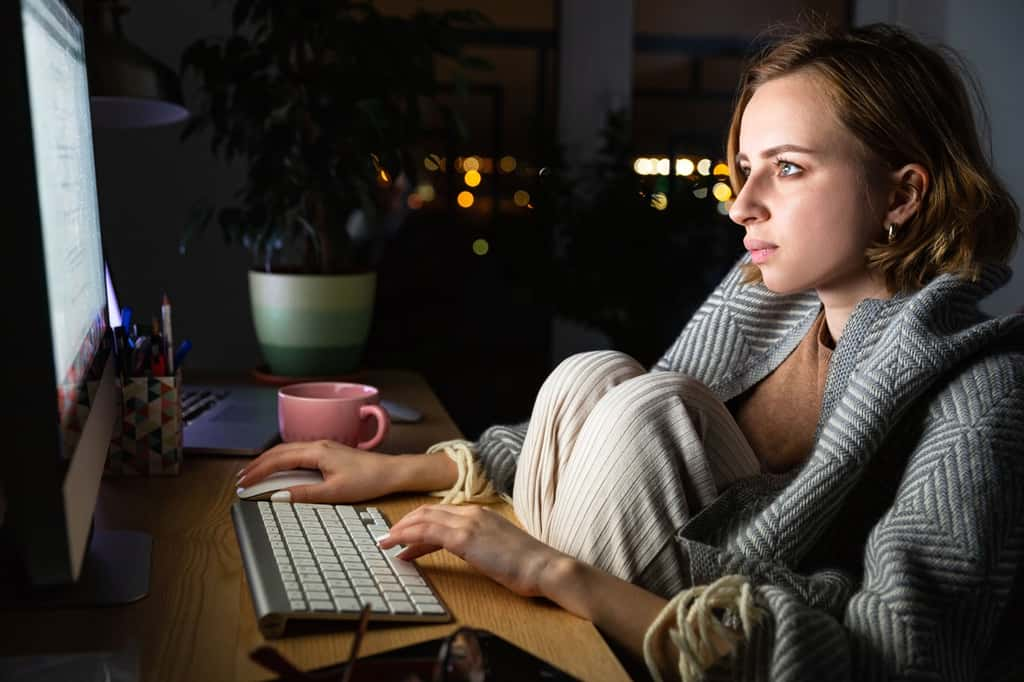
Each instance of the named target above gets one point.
<point>127,87</point>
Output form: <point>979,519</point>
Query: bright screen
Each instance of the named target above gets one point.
<point>65,172</point>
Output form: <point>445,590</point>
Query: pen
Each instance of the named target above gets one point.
<point>183,349</point>
<point>165,312</point>
<point>140,360</point>
<point>126,318</point>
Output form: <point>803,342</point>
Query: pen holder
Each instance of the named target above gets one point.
<point>147,438</point>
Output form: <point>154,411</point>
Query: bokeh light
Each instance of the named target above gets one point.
<point>465,199</point>
<point>701,192</point>
<point>720,169</point>
<point>414,201</point>
<point>722,191</point>
<point>430,164</point>
<point>472,178</point>
<point>724,206</point>
<point>521,197</point>
<point>481,247</point>
<point>507,164</point>
<point>664,167</point>
<point>643,166</point>
<point>471,163</point>
<point>659,201</point>
<point>704,166</point>
<point>684,167</point>
<point>426,192</point>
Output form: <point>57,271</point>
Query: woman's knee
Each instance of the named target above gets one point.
<point>641,399</point>
<point>592,371</point>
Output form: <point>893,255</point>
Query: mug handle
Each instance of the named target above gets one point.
<point>383,422</point>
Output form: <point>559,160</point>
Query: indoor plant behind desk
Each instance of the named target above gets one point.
<point>326,102</point>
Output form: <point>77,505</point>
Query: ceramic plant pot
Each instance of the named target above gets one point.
<point>312,325</point>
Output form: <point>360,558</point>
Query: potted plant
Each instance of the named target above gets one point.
<point>326,102</point>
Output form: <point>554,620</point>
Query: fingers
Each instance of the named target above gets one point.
<point>429,528</point>
<point>416,551</point>
<point>316,493</point>
<point>278,458</point>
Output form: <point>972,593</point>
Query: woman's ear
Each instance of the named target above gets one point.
<point>907,189</point>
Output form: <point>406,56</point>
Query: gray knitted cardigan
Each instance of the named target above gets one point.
<point>925,381</point>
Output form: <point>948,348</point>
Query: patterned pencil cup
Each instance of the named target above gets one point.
<point>147,438</point>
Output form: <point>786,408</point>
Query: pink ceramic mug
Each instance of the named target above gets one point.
<point>333,410</point>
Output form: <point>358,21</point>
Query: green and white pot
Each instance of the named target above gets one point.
<point>312,325</point>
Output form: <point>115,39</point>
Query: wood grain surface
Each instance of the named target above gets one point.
<point>198,622</point>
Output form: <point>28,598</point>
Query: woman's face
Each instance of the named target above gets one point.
<point>806,206</point>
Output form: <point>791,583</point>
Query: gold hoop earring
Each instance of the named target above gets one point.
<point>892,232</point>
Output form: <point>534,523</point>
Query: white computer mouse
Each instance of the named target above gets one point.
<point>280,480</point>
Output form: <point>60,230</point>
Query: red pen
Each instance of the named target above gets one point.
<point>158,364</point>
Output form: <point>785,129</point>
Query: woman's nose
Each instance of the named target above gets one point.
<point>748,207</point>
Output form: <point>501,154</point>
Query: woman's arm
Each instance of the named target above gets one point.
<point>618,608</point>
<point>525,565</point>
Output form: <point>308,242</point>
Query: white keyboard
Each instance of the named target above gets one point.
<point>320,561</point>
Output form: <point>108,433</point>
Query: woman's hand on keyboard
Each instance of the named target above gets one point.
<point>350,474</point>
<point>482,538</point>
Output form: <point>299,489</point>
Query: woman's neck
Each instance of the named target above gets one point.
<point>840,303</point>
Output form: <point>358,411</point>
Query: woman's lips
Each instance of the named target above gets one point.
<point>760,251</point>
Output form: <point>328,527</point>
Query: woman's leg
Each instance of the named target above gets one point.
<point>653,451</point>
<point>563,403</point>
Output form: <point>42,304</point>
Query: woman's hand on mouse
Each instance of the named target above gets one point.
<point>350,474</point>
<point>481,537</point>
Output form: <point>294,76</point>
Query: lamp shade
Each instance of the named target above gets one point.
<point>127,87</point>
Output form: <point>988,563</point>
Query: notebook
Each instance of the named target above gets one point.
<point>221,419</point>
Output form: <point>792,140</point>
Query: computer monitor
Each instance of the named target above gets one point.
<point>59,394</point>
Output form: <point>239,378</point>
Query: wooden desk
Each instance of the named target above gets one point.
<point>198,622</point>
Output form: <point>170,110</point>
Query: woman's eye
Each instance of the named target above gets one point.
<point>786,168</point>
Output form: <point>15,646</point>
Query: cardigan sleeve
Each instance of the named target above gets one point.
<point>939,567</point>
<point>498,451</point>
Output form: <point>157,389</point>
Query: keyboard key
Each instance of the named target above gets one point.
<point>297,604</point>
<point>428,609</point>
<point>418,589</point>
<point>347,603</point>
<point>422,599</point>
<point>401,607</point>
<point>366,589</point>
<point>377,604</point>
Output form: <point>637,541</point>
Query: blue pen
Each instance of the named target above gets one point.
<point>126,317</point>
<point>183,349</point>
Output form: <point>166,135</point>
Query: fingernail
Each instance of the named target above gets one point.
<point>240,480</point>
<point>281,496</point>
<point>384,538</point>
<point>239,490</point>
<point>240,472</point>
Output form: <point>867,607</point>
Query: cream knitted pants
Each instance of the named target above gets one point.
<point>617,459</point>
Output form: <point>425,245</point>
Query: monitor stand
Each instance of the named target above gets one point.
<point>115,571</point>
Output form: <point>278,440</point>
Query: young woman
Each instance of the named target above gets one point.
<point>822,478</point>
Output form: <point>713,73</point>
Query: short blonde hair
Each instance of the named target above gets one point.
<point>905,103</point>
